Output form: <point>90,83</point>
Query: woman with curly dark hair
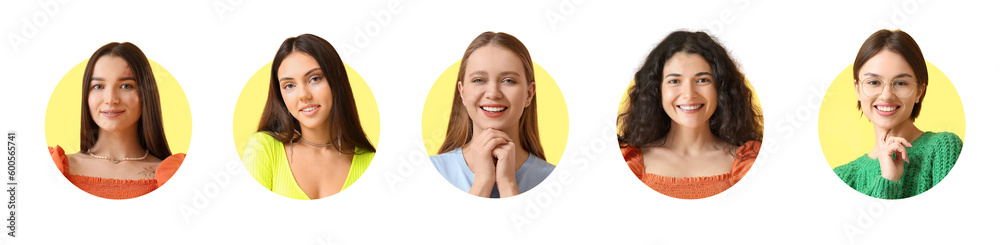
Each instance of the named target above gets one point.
<point>690,129</point>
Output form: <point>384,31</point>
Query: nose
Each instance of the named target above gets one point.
<point>493,91</point>
<point>111,96</point>
<point>887,92</point>
<point>687,90</point>
<point>304,94</point>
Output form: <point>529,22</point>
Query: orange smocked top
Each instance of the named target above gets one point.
<point>117,188</point>
<point>694,187</point>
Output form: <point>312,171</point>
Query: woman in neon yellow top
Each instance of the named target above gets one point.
<point>309,143</point>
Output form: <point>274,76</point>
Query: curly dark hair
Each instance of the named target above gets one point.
<point>736,120</point>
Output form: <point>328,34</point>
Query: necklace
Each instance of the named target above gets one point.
<point>314,144</point>
<point>116,161</point>
<point>291,148</point>
<point>318,145</point>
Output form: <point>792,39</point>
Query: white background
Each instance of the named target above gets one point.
<point>790,50</point>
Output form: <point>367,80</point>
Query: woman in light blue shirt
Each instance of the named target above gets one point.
<point>492,148</point>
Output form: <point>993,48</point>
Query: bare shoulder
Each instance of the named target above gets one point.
<point>77,162</point>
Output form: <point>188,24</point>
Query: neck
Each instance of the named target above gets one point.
<point>320,135</point>
<point>691,141</point>
<point>118,144</point>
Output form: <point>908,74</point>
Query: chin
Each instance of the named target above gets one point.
<point>493,125</point>
<point>886,123</point>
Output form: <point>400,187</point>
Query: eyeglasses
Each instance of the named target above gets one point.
<point>873,87</point>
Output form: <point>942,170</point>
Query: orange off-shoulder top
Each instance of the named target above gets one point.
<point>117,188</point>
<point>694,187</point>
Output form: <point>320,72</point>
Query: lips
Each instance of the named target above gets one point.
<point>885,109</point>
<point>493,110</point>
<point>690,108</point>
<point>112,113</point>
<point>309,110</point>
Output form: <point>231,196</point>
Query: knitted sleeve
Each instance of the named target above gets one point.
<point>945,154</point>
<point>258,160</point>
<point>865,176</point>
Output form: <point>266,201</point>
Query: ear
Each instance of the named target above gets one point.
<point>531,93</point>
<point>460,94</point>
<point>920,92</point>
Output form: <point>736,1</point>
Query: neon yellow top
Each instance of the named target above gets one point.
<point>265,158</point>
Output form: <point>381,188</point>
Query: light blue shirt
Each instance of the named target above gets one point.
<point>452,166</point>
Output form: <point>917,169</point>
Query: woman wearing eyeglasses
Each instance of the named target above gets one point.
<point>890,79</point>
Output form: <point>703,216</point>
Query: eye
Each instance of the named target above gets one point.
<point>478,80</point>
<point>508,80</point>
<point>704,80</point>
<point>288,86</point>
<point>873,83</point>
<point>127,86</point>
<point>97,86</point>
<point>673,81</point>
<point>900,83</point>
<point>315,79</point>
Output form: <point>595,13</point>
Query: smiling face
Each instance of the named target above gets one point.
<point>305,90</point>
<point>113,96</point>
<point>891,105</point>
<point>688,90</point>
<point>494,89</point>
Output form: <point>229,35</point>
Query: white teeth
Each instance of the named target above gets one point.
<point>310,108</point>
<point>493,109</point>
<point>886,108</point>
<point>689,108</point>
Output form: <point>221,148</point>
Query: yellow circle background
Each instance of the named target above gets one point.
<point>553,118</point>
<point>845,134</point>
<point>622,104</point>
<point>62,116</point>
<point>250,106</point>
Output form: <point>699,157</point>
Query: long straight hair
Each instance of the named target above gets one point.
<point>278,121</point>
<point>150,121</point>
<point>460,124</point>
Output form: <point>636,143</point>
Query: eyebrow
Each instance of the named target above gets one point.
<point>696,74</point>
<point>501,73</point>
<point>897,76</point>
<point>101,79</point>
<point>477,73</point>
<point>307,73</point>
<point>510,73</point>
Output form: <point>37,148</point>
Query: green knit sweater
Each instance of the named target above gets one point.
<point>931,158</point>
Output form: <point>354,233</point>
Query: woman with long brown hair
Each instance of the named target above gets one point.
<point>123,150</point>
<point>309,143</point>
<point>491,147</point>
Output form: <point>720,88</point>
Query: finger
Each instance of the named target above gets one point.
<point>885,135</point>
<point>493,143</point>
<point>902,151</point>
<point>493,133</point>
<point>892,141</point>
<point>500,154</point>
<point>483,139</point>
<point>901,141</point>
